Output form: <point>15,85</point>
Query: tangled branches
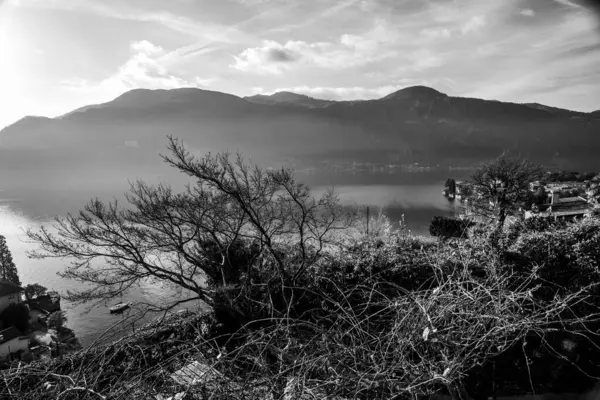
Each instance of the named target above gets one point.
<point>410,343</point>
<point>137,366</point>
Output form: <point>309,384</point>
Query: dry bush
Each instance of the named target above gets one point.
<point>369,342</point>
<point>361,337</point>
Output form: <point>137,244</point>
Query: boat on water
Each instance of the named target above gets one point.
<point>120,307</point>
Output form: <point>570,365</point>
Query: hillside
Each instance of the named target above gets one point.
<point>122,138</point>
<point>413,124</point>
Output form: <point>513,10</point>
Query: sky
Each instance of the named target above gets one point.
<point>58,55</point>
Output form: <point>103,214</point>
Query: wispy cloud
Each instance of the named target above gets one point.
<point>568,3</point>
<point>552,66</point>
<point>331,11</point>
<point>436,33</point>
<point>349,51</point>
<point>205,29</point>
<point>142,70</point>
<point>473,24</point>
<point>425,59</point>
<point>527,12</point>
<point>272,57</point>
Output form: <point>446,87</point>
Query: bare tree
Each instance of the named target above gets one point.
<point>501,186</point>
<point>185,238</point>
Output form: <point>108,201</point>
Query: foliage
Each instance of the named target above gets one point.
<point>540,197</point>
<point>541,224</point>
<point>34,290</point>
<point>8,270</point>
<point>565,256</point>
<point>451,185</point>
<point>466,190</point>
<point>449,227</point>
<point>17,315</point>
<point>57,320</point>
<point>368,225</point>
<point>561,176</point>
<point>503,185</point>
<point>567,176</point>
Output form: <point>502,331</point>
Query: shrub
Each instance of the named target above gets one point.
<point>449,227</point>
<point>57,320</point>
<point>35,290</point>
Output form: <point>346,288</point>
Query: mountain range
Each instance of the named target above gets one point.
<point>415,124</point>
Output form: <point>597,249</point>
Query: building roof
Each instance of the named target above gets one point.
<point>567,206</point>
<point>9,334</point>
<point>7,287</point>
<point>579,211</point>
<point>575,199</point>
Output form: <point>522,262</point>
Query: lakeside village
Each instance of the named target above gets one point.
<point>559,195</point>
<point>32,325</point>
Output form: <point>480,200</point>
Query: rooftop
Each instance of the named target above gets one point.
<point>7,288</point>
<point>579,211</point>
<point>575,199</point>
<point>567,208</point>
<point>9,334</point>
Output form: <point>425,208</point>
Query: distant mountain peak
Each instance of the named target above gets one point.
<point>29,121</point>
<point>283,96</point>
<point>415,92</point>
<point>289,95</point>
<point>290,98</point>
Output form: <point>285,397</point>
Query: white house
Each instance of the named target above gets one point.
<point>9,294</point>
<point>557,207</point>
<point>11,342</point>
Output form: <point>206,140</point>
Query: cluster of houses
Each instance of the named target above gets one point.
<point>560,200</point>
<point>580,202</point>
<point>13,343</point>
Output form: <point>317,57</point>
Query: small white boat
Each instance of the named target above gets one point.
<point>117,308</point>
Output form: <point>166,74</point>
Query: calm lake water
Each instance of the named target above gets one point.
<point>416,195</point>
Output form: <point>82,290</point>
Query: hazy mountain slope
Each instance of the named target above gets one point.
<point>555,110</point>
<point>122,139</point>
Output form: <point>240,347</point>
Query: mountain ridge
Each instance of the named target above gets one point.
<point>413,124</point>
<point>288,98</point>
<point>135,97</point>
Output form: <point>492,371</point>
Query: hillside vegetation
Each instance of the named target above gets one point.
<point>390,316</point>
<point>308,303</point>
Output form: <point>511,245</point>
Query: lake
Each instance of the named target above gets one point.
<point>416,195</point>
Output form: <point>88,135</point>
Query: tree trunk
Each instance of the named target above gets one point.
<point>501,219</point>
<point>457,391</point>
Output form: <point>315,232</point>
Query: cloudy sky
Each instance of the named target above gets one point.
<point>56,55</point>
